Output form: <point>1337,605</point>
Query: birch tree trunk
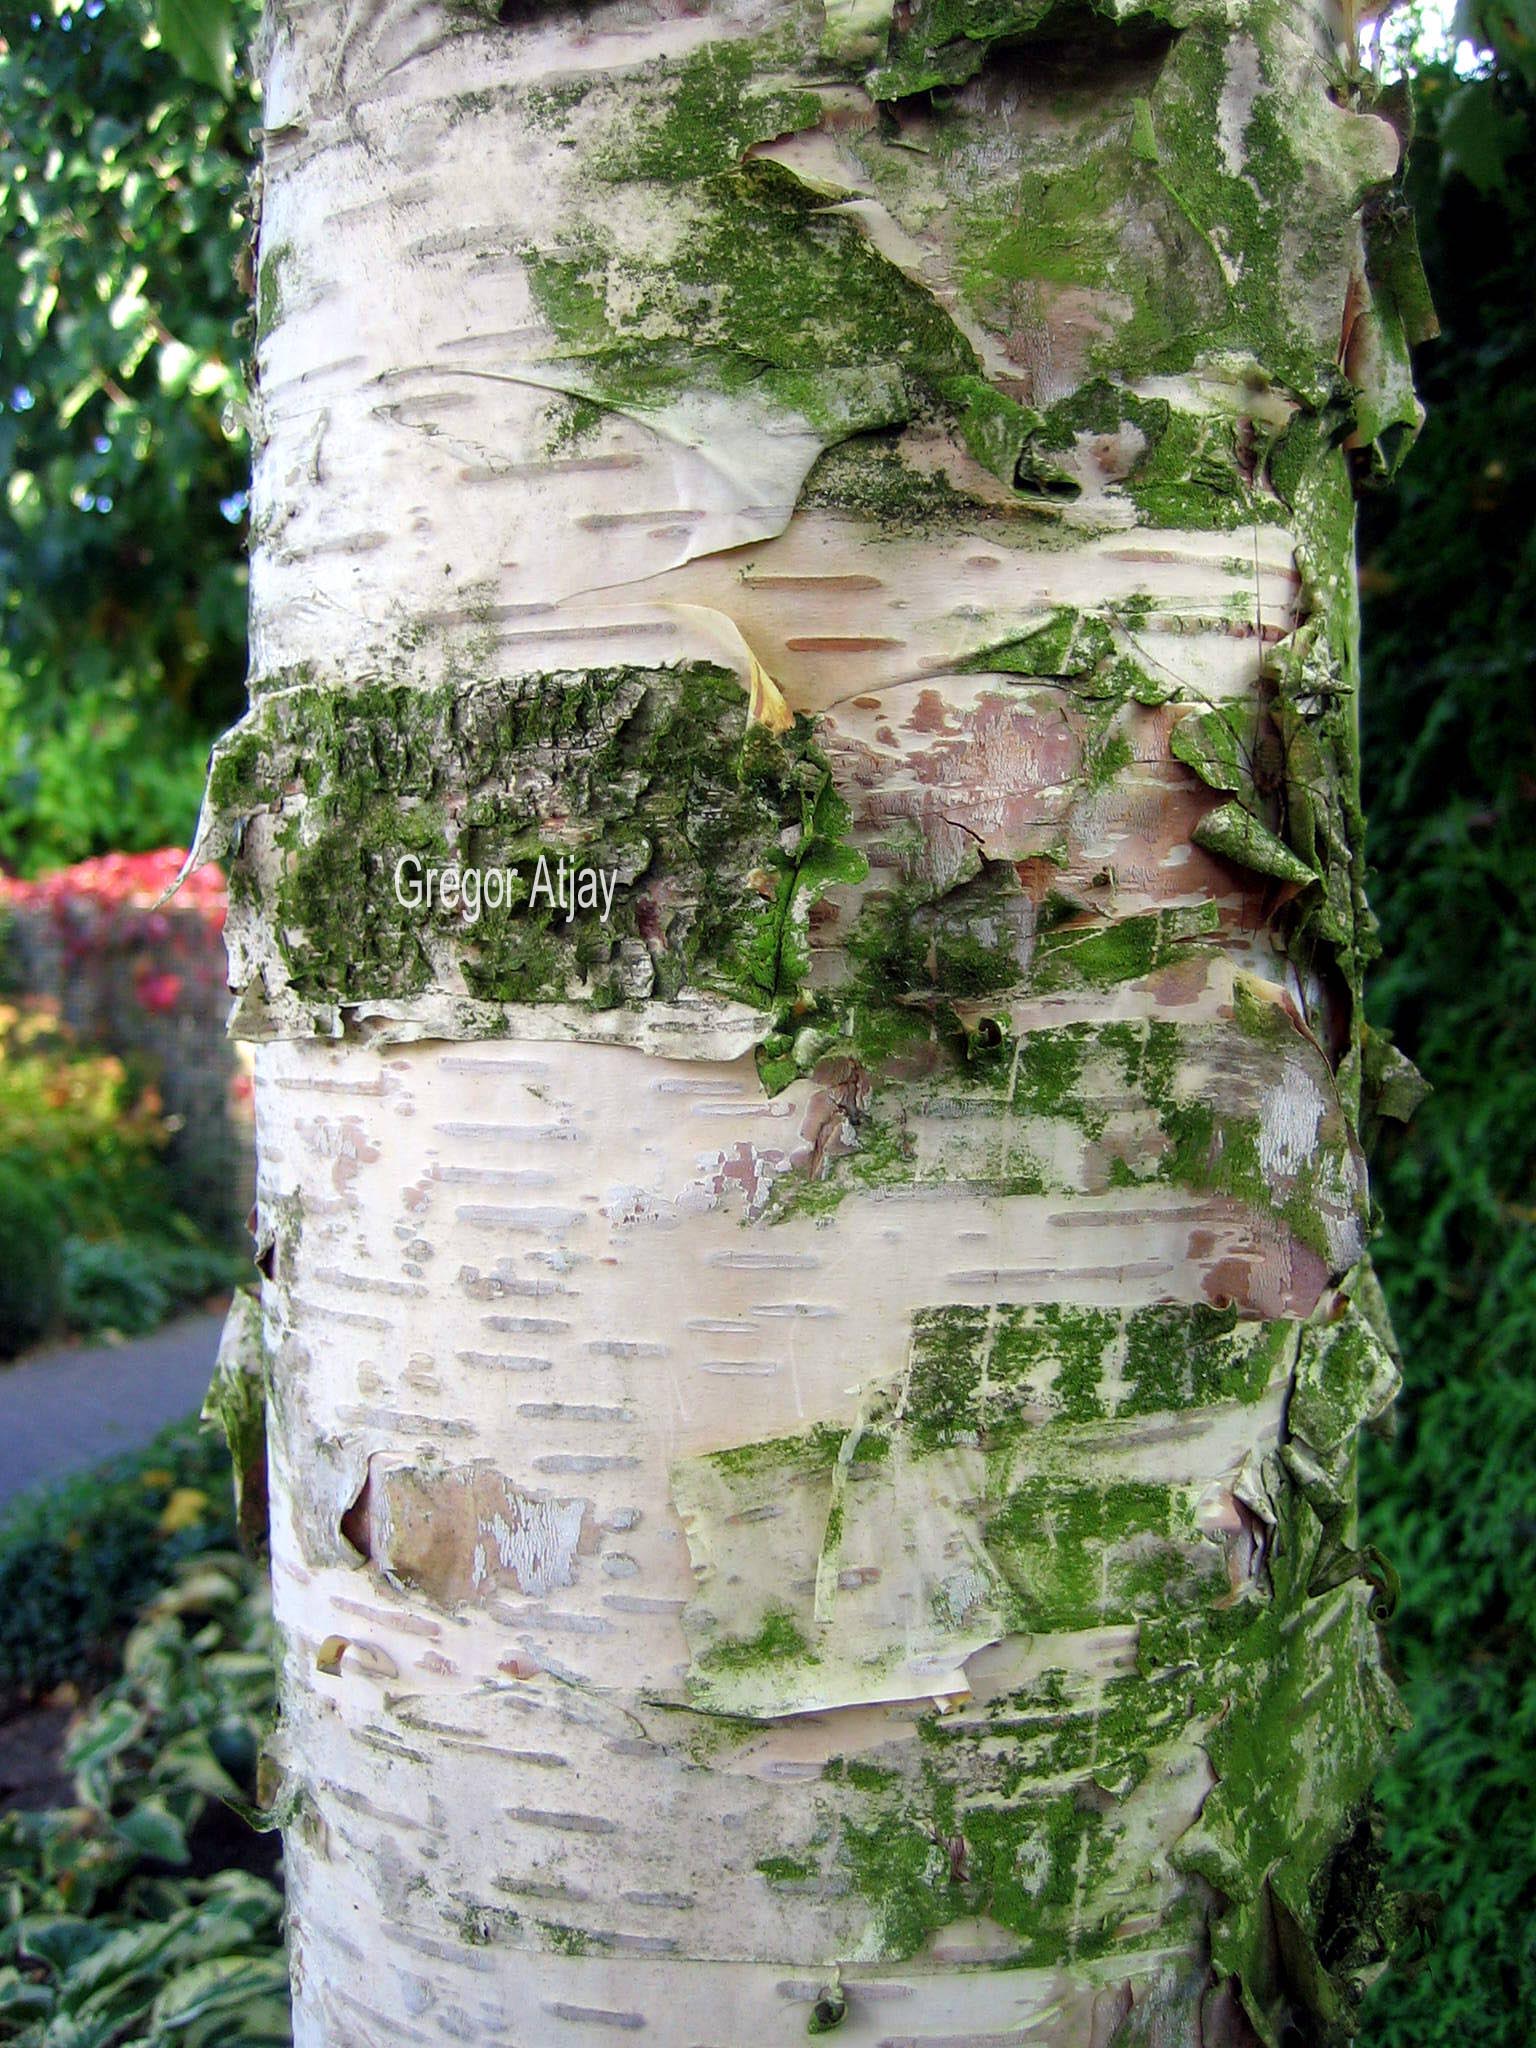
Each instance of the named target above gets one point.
<point>815,1352</point>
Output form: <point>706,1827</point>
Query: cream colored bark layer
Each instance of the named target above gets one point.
<point>813,1493</point>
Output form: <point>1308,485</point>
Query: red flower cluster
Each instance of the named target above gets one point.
<point>107,907</point>
<point>158,992</point>
<point>118,880</point>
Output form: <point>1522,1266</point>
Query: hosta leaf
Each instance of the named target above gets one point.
<point>154,1830</point>
<point>189,1764</point>
<point>242,1896</point>
<point>58,1939</point>
<point>110,1729</point>
<point>124,1956</point>
<point>225,1984</point>
<point>67,2031</point>
<point>21,1999</point>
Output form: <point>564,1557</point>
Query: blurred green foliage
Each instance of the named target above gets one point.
<point>88,1226</point>
<point>109,1934</point>
<point>76,1559</point>
<point>122,445</point>
<point>31,1281</point>
<point>1507,26</point>
<point>81,1124</point>
<point>1449,576</point>
<point>130,1284</point>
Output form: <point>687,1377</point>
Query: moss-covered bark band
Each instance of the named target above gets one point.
<point>715,832</point>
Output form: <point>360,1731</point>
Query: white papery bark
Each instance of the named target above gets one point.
<point>585,1726</point>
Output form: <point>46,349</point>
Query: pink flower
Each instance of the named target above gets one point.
<point>158,993</point>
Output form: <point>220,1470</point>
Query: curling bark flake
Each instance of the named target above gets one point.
<point>812,1417</point>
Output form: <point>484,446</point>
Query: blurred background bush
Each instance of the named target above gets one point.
<point>123,450</point>
<point>123,456</point>
<point>1448,576</point>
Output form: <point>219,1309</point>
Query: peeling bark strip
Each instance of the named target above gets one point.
<point>812,1414</point>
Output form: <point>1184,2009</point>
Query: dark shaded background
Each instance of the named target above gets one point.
<point>1448,574</point>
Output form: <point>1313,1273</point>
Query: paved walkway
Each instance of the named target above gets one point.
<point>65,1410</point>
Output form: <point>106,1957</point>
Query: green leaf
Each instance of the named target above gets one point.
<point>119,1961</point>
<point>1479,137</point>
<point>250,1899</point>
<point>22,1999</point>
<point>64,2031</point>
<point>110,1729</point>
<point>58,1939</point>
<point>199,34</point>
<point>225,1984</point>
<point>1509,25</point>
<point>188,1764</point>
<point>154,1830</point>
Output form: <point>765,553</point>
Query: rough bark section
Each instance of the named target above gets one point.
<point>812,1419</point>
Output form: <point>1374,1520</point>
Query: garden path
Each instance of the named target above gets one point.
<point>70,1407</point>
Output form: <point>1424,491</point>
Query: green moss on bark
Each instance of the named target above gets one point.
<point>656,777</point>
